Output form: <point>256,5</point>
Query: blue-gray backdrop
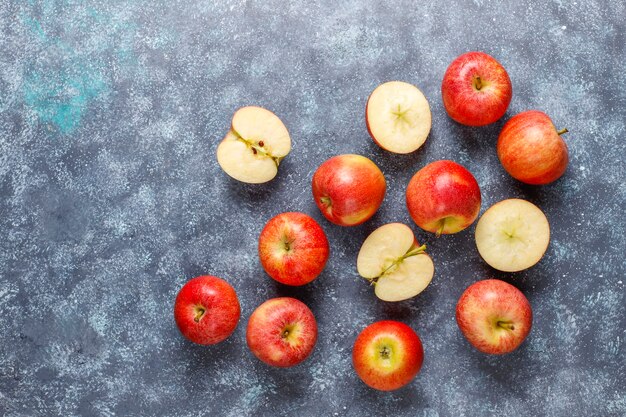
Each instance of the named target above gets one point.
<point>111,198</point>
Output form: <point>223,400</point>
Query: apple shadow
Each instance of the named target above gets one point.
<point>243,193</point>
<point>400,163</point>
<point>389,403</point>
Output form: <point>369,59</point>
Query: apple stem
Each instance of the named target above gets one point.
<point>411,252</point>
<point>443,224</point>
<point>506,325</point>
<point>478,83</point>
<point>416,251</point>
<point>560,132</point>
<point>199,313</point>
<point>326,201</point>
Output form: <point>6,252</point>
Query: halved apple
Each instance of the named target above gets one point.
<point>512,235</point>
<point>253,148</point>
<point>398,117</point>
<point>392,260</point>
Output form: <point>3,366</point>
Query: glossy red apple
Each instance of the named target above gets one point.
<point>293,248</point>
<point>207,310</point>
<point>443,197</point>
<point>476,89</point>
<point>348,189</point>
<point>282,332</point>
<point>387,355</point>
<point>531,149</point>
<point>494,316</point>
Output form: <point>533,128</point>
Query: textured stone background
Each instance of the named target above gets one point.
<point>111,198</point>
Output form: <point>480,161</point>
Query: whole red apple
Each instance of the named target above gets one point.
<point>293,248</point>
<point>206,310</point>
<point>387,355</point>
<point>443,197</point>
<point>476,89</point>
<point>348,189</point>
<point>531,150</point>
<point>494,316</point>
<point>282,332</point>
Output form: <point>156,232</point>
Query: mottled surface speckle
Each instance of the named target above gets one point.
<point>111,198</point>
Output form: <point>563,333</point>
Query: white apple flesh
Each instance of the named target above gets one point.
<point>512,235</point>
<point>253,148</point>
<point>398,117</point>
<point>392,260</point>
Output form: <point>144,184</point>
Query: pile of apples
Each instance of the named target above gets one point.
<point>442,198</point>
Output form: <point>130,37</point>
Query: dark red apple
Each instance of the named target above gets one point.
<point>207,310</point>
<point>476,89</point>
<point>293,248</point>
<point>443,197</point>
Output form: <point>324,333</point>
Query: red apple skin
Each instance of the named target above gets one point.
<point>486,303</point>
<point>207,310</point>
<point>282,332</point>
<point>293,248</point>
<point>407,355</point>
<point>348,189</point>
<point>531,150</point>
<point>464,101</point>
<point>443,190</point>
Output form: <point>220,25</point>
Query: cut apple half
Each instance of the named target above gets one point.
<point>398,117</point>
<point>512,235</point>
<point>253,148</point>
<point>392,260</point>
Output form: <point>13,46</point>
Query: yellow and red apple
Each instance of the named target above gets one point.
<point>443,197</point>
<point>476,89</point>
<point>348,189</point>
<point>293,248</point>
<point>531,149</point>
<point>207,310</point>
<point>282,332</point>
<point>494,316</point>
<point>387,355</point>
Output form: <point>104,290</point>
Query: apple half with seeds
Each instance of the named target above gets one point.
<point>398,117</point>
<point>254,146</point>
<point>393,261</point>
<point>512,235</point>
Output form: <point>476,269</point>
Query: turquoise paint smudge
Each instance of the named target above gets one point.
<point>61,97</point>
<point>60,93</point>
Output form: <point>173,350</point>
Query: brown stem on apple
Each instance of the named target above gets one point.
<point>560,132</point>
<point>506,325</point>
<point>199,313</point>
<point>441,226</point>
<point>286,331</point>
<point>478,84</point>
<point>326,201</point>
